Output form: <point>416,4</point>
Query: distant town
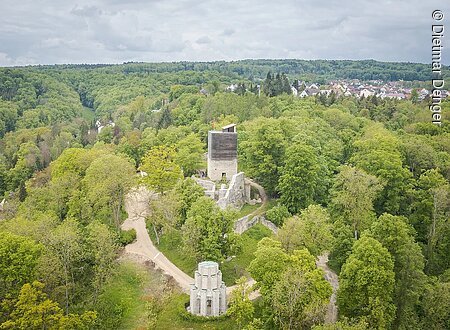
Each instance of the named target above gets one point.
<point>357,88</point>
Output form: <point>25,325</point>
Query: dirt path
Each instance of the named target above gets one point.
<point>332,278</point>
<point>262,193</point>
<point>136,205</point>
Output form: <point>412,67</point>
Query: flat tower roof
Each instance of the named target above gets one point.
<point>229,126</point>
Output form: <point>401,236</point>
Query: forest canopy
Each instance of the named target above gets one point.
<point>365,178</point>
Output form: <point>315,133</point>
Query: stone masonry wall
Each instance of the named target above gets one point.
<point>235,195</point>
<point>245,223</point>
<point>209,186</point>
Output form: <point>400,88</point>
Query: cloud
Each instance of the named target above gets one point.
<point>228,32</point>
<point>86,11</point>
<point>204,40</point>
<point>114,31</point>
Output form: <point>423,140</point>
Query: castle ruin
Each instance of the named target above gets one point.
<point>222,166</point>
<point>222,153</point>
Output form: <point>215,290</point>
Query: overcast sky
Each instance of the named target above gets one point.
<point>114,31</point>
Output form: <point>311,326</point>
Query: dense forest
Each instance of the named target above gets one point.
<point>366,179</point>
<point>312,70</point>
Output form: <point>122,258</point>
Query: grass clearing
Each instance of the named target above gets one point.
<point>122,302</point>
<point>246,210</point>
<point>236,267</point>
<point>171,244</point>
<point>169,317</point>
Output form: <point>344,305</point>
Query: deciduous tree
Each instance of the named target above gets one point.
<point>431,210</point>
<point>311,230</point>
<point>208,231</point>
<point>18,259</point>
<point>301,182</point>
<point>436,305</point>
<point>102,249</point>
<point>241,308</point>
<point>395,234</point>
<point>188,191</point>
<point>267,266</point>
<point>34,310</point>
<point>65,243</point>
<point>162,171</point>
<point>278,214</point>
<point>300,298</point>
<point>105,185</point>
<point>366,284</point>
<point>189,154</point>
<point>377,153</point>
<point>352,197</point>
<point>261,148</point>
<point>165,214</point>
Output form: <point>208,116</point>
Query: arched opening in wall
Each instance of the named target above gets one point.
<point>198,307</point>
<point>208,307</point>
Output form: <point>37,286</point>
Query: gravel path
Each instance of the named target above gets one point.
<point>332,278</point>
<point>137,207</point>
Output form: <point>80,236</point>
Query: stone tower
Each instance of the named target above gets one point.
<point>208,293</point>
<point>222,153</point>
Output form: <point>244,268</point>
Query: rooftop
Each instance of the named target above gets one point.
<point>207,264</point>
<point>229,128</point>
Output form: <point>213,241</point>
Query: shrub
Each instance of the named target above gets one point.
<point>278,214</point>
<point>127,236</point>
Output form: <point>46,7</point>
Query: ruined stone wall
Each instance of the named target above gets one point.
<point>243,224</point>
<point>268,224</point>
<point>208,186</point>
<point>235,196</point>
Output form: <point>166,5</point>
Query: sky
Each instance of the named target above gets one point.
<point>115,31</point>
